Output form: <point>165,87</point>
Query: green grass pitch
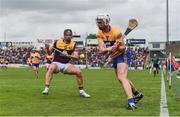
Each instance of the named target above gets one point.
<point>20,94</point>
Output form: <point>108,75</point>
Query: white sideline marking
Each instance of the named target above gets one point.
<point>163,101</point>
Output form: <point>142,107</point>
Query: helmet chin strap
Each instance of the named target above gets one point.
<point>107,28</point>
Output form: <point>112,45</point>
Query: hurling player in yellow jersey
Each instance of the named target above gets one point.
<point>35,61</point>
<point>61,63</point>
<point>107,37</point>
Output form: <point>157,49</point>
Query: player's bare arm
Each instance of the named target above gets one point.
<point>75,55</point>
<point>102,47</point>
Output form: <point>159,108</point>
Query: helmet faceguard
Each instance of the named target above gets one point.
<point>104,17</point>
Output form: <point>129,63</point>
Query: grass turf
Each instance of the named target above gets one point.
<point>20,94</point>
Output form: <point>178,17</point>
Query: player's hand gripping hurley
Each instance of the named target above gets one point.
<point>132,24</point>
<point>62,53</point>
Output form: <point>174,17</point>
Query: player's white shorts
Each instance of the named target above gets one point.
<point>47,65</point>
<point>62,66</point>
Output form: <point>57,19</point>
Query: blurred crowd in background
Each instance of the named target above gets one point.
<point>92,56</point>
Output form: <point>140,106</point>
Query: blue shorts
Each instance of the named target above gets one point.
<point>35,65</point>
<point>122,58</point>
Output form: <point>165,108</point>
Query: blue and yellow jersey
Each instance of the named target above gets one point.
<point>110,37</point>
<point>35,58</point>
<point>62,46</point>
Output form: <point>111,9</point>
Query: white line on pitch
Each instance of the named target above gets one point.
<point>163,102</point>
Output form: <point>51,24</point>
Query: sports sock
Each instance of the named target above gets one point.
<point>81,90</point>
<point>130,100</point>
<point>46,86</point>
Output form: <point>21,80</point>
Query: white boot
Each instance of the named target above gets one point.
<point>82,93</point>
<point>46,90</point>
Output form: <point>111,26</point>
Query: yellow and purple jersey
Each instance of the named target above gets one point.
<point>35,58</point>
<point>62,46</point>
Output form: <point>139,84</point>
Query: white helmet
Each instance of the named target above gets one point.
<point>104,17</point>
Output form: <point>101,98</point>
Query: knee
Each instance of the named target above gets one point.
<point>122,77</point>
<point>78,72</point>
<point>52,69</point>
